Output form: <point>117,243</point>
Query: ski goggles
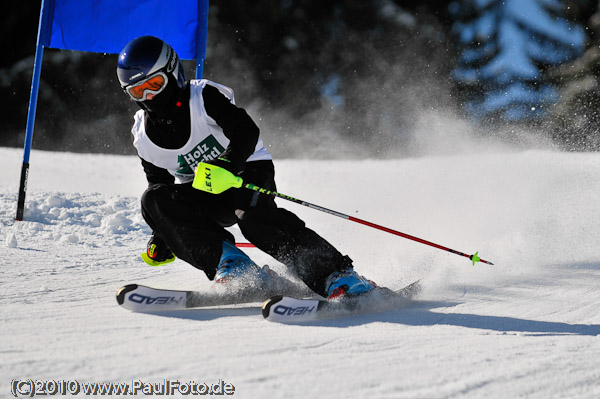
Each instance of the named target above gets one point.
<point>151,85</point>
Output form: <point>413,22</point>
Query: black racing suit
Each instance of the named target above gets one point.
<point>193,222</point>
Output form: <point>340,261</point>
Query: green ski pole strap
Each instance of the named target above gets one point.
<point>214,179</point>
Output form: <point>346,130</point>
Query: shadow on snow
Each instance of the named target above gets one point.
<point>417,314</point>
<point>421,314</point>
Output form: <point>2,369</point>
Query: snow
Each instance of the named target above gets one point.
<point>527,327</point>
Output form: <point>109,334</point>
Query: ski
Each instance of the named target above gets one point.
<point>142,298</point>
<point>279,308</point>
<point>287,309</point>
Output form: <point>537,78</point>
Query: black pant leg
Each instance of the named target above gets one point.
<point>284,236</point>
<point>190,222</point>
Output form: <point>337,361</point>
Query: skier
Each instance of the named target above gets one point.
<point>182,123</point>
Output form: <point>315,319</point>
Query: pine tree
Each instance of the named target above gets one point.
<point>506,47</point>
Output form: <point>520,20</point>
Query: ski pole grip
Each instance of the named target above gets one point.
<point>214,179</point>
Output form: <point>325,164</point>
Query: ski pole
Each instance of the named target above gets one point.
<point>215,180</point>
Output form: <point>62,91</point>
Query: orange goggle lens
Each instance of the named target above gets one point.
<point>152,85</point>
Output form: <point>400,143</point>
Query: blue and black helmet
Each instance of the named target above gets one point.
<point>146,55</point>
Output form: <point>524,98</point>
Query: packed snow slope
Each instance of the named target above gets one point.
<point>528,326</point>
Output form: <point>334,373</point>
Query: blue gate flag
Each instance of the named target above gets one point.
<point>106,26</point>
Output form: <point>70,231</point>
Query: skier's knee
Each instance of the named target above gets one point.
<point>153,195</point>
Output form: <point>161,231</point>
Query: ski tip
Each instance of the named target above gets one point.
<point>285,309</point>
<point>266,307</point>
<point>412,290</point>
<point>140,298</point>
<point>121,292</point>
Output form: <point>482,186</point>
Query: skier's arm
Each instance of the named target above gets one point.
<point>156,175</point>
<point>237,126</point>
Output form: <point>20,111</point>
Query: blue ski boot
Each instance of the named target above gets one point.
<point>236,265</point>
<point>347,283</point>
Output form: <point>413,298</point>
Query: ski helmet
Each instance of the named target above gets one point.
<point>147,65</point>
